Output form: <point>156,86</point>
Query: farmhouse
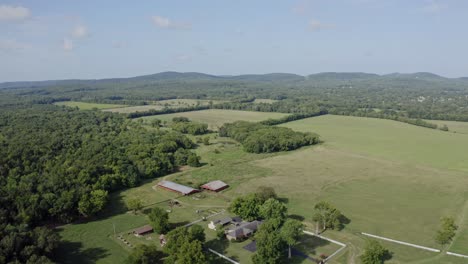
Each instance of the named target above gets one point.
<point>175,187</point>
<point>215,186</point>
<point>244,230</point>
<point>143,230</point>
<point>224,221</point>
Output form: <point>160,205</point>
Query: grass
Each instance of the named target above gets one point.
<point>159,105</point>
<point>389,178</point>
<point>216,117</point>
<point>88,106</point>
<point>454,126</point>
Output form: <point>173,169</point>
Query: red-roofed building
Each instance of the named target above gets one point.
<point>215,186</point>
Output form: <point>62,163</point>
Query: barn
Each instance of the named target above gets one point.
<point>215,186</point>
<point>175,187</point>
<point>143,230</point>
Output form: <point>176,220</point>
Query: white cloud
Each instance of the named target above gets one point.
<point>315,25</point>
<point>433,7</point>
<point>12,45</point>
<point>13,13</point>
<point>80,31</point>
<point>163,22</point>
<point>67,44</point>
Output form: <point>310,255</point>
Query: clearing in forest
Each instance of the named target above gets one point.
<point>159,105</point>
<point>88,106</point>
<point>215,118</point>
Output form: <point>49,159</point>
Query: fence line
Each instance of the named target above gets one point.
<point>457,255</point>
<point>224,257</point>
<point>343,246</point>
<point>402,243</point>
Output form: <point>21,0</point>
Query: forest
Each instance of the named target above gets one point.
<point>259,138</point>
<point>59,164</point>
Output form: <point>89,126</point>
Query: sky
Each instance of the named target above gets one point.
<point>65,39</point>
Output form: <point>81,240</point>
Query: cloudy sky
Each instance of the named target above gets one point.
<point>64,39</point>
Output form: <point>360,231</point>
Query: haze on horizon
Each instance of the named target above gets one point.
<point>41,40</point>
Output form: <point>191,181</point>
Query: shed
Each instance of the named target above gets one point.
<point>175,187</point>
<point>143,230</point>
<point>215,186</point>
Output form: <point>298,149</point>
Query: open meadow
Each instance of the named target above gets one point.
<point>159,105</point>
<point>389,178</point>
<point>217,117</point>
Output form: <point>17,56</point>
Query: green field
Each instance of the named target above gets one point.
<point>159,105</point>
<point>217,117</point>
<point>88,106</point>
<point>454,126</point>
<point>389,178</point>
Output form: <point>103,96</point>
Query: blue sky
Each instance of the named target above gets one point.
<point>98,39</point>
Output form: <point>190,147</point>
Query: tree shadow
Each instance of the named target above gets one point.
<point>343,222</point>
<point>387,255</point>
<point>175,225</point>
<point>296,217</point>
<point>72,252</point>
<point>283,200</point>
<point>219,245</point>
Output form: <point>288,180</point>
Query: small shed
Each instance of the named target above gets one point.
<point>215,186</point>
<point>143,230</point>
<point>175,187</point>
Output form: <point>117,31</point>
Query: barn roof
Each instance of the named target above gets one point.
<point>215,185</point>
<point>177,187</point>
<point>143,230</point>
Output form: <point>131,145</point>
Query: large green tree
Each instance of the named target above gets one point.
<point>145,254</point>
<point>159,220</point>
<point>327,216</point>
<point>374,253</point>
<point>270,247</point>
<point>247,207</point>
<point>93,202</point>
<point>273,208</point>
<point>446,231</point>
<point>291,232</point>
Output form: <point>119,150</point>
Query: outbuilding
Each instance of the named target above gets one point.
<point>143,230</point>
<point>215,186</point>
<point>175,187</point>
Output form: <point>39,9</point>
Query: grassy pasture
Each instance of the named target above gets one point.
<point>159,105</point>
<point>389,178</point>
<point>454,126</point>
<point>88,106</point>
<point>217,117</point>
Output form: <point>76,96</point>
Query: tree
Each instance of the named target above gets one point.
<point>134,205</point>
<point>447,230</point>
<point>327,216</point>
<point>159,219</point>
<point>197,232</point>
<point>273,208</point>
<point>183,246</point>
<point>206,141</point>
<point>246,207</point>
<point>291,232</point>
<point>92,203</point>
<point>156,123</point>
<point>374,253</point>
<point>265,192</point>
<point>193,160</point>
<point>270,247</point>
<point>145,254</point>
<point>220,232</point>
<point>191,252</point>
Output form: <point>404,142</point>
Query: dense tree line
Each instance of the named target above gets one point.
<point>185,126</point>
<point>259,138</point>
<point>152,112</point>
<point>293,117</point>
<point>59,163</point>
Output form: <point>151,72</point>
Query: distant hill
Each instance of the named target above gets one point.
<point>270,77</point>
<point>324,77</point>
<point>341,76</point>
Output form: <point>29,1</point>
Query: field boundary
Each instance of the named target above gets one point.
<point>343,245</point>
<point>402,242</point>
<point>222,256</point>
<point>456,254</point>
